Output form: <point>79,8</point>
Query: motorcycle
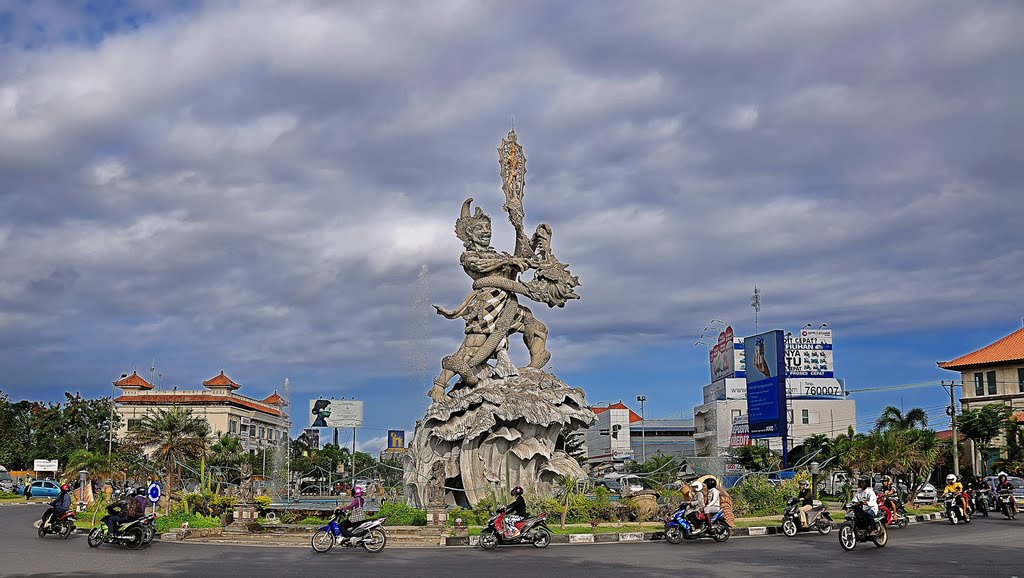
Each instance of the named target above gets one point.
<point>532,530</point>
<point>678,528</point>
<point>982,499</point>
<point>852,530</point>
<point>63,526</point>
<point>954,509</point>
<point>130,534</point>
<point>370,535</point>
<point>1007,504</point>
<point>893,512</point>
<point>818,519</point>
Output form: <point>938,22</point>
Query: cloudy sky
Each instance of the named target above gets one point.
<point>270,188</point>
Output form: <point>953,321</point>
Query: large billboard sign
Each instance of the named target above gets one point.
<point>740,434</point>
<point>766,384</point>
<point>336,413</point>
<point>809,353</point>
<point>44,465</point>
<point>722,356</point>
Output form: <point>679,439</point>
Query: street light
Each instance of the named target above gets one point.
<point>643,428</point>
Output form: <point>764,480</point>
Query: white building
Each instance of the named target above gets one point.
<point>619,435</point>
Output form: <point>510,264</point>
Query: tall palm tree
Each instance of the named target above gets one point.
<point>893,418</point>
<point>99,466</point>
<point>172,436</point>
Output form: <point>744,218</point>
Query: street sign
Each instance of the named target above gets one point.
<point>44,465</point>
<point>153,493</point>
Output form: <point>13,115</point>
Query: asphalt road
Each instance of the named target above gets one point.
<point>989,547</point>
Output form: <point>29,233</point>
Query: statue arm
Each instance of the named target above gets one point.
<point>490,262</point>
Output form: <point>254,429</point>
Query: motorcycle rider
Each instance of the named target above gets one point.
<point>869,504</point>
<point>889,494</point>
<point>140,497</point>
<point>59,505</point>
<point>514,512</point>
<point>124,510</point>
<point>356,505</point>
<point>1005,489</point>
<point>955,487</point>
<point>806,497</point>
<point>713,501</point>
<point>696,506</point>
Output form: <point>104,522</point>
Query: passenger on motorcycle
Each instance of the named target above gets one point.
<point>889,493</point>
<point>713,502</point>
<point>514,512</point>
<point>806,497</point>
<point>121,511</point>
<point>59,505</point>
<point>955,487</point>
<point>140,497</point>
<point>356,507</point>
<point>869,504</point>
<point>1005,488</point>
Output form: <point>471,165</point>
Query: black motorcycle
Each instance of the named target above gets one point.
<point>818,519</point>
<point>955,510</point>
<point>853,529</point>
<point>62,525</point>
<point>982,499</point>
<point>131,535</point>
<point>1006,504</point>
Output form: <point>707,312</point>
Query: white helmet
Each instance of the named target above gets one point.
<point>696,485</point>
<point>950,479</point>
<point>1002,475</point>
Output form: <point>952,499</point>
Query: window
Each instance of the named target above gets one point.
<point>1020,378</point>
<point>232,426</point>
<point>263,432</point>
<point>134,424</point>
<point>805,416</point>
<point>979,385</point>
<point>990,376</point>
<point>736,413</point>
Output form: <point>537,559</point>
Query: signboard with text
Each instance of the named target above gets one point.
<point>336,413</point>
<point>766,391</point>
<point>396,439</point>
<point>740,435</point>
<point>809,353</point>
<point>44,465</point>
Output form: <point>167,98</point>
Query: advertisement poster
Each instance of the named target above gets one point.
<point>396,439</point>
<point>722,357</point>
<point>740,435</point>
<point>766,388</point>
<point>336,413</point>
<point>809,353</point>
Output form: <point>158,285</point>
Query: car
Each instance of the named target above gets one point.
<point>44,489</point>
<point>1018,489</point>
<point>6,481</point>
<point>928,494</point>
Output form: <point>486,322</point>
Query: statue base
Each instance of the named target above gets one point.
<point>244,517</point>
<point>437,516</point>
<point>491,437</point>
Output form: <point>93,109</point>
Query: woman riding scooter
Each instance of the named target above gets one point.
<point>806,497</point>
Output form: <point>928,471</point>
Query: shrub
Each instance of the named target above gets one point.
<point>402,515</point>
<point>7,495</point>
<point>220,504</point>
<point>176,519</point>
<point>312,521</point>
<point>262,503</point>
<point>756,496</point>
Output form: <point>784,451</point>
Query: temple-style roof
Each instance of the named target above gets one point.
<point>221,381</point>
<point>195,399</point>
<point>133,380</point>
<point>275,399</point>
<point>1007,349</point>
<point>633,417</point>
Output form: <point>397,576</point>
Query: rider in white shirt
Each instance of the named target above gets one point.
<point>866,495</point>
<point>713,503</point>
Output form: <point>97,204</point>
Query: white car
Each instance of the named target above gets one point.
<point>928,494</point>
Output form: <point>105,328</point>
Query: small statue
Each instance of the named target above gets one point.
<point>245,488</point>
<point>435,495</point>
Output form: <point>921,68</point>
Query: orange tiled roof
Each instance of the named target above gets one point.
<point>133,380</point>
<point>196,399</point>
<point>1009,348</point>
<point>221,381</point>
<point>275,399</point>
<point>633,417</point>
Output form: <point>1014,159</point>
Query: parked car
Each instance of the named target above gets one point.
<point>43,489</point>
<point>1018,489</point>
<point>6,481</point>
<point>928,494</point>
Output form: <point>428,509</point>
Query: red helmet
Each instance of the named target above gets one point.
<point>517,491</point>
<point>64,487</point>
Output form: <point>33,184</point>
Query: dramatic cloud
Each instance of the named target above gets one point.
<point>270,188</point>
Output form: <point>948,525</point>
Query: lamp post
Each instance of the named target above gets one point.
<point>643,428</point>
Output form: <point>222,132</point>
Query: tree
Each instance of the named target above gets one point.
<point>893,418</point>
<point>570,495</point>
<point>657,470</point>
<point>227,455</point>
<point>982,425</point>
<point>173,436</point>
<point>757,458</point>
<point>572,442</point>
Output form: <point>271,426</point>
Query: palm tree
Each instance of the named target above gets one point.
<point>227,453</point>
<point>893,418</point>
<point>569,494</point>
<point>97,464</point>
<point>172,436</point>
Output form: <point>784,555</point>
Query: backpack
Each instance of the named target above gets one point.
<point>132,508</point>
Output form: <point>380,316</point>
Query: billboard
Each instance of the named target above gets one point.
<point>396,439</point>
<point>44,465</point>
<point>809,353</point>
<point>740,435</point>
<point>729,388</point>
<point>336,413</point>
<point>722,356</point>
<point>766,391</point>
<point>814,387</point>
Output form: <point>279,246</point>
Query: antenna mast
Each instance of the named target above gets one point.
<point>755,302</point>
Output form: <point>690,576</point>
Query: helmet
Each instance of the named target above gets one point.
<point>517,491</point>
<point>804,483</point>
<point>357,491</point>
<point>696,485</point>
<point>886,479</point>
<point>950,479</point>
<point>64,487</point>
<point>863,482</point>
<point>140,491</point>
<point>711,483</point>
<point>1002,475</point>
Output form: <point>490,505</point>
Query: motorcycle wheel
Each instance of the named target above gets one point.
<point>543,538</point>
<point>149,533</point>
<point>65,529</point>
<point>723,532</point>
<point>135,538</point>
<point>95,537</point>
<point>375,540</point>
<point>824,528</point>
<point>847,537</point>
<point>488,539</point>
<point>41,531</point>
<point>674,535</point>
<point>789,527</point>
<point>902,523</point>
<point>882,538</point>
<point>322,541</point>
<point>953,517</point>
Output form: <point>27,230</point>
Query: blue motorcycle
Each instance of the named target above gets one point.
<point>370,535</point>
<point>678,528</point>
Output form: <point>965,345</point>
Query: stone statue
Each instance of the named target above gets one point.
<point>498,426</point>
<point>245,486</point>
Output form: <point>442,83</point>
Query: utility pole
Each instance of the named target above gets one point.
<point>951,412</point>
<point>643,428</point>
<point>353,457</point>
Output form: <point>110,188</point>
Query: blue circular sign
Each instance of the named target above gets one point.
<point>153,493</point>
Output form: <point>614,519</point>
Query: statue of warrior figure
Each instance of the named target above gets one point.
<point>492,312</point>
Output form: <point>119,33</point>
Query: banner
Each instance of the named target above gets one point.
<point>44,465</point>
<point>740,435</point>
<point>766,391</point>
<point>396,439</point>
<point>809,353</point>
<point>722,356</point>
<point>336,413</point>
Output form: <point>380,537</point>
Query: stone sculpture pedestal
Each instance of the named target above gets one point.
<point>244,517</point>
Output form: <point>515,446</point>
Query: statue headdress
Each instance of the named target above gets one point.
<point>467,220</point>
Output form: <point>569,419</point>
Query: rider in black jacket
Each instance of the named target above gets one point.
<point>514,512</point>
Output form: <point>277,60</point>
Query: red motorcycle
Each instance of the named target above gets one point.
<point>894,513</point>
<point>62,526</point>
<point>531,531</point>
